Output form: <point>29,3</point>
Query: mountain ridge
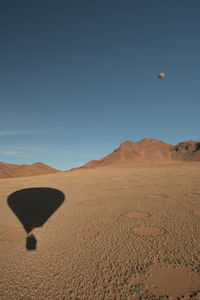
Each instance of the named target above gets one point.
<point>148,150</point>
<point>145,151</point>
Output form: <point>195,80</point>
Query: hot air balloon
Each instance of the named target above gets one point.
<point>161,75</point>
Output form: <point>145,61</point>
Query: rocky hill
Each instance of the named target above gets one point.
<point>149,151</point>
<point>12,170</point>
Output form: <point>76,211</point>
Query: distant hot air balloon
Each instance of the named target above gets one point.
<point>161,75</point>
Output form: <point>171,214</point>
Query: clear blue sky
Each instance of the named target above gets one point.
<point>79,77</point>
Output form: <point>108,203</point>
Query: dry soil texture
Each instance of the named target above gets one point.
<point>121,233</point>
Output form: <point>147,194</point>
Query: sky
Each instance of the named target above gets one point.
<point>79,77</point>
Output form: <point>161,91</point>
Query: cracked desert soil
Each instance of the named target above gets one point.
<point>129,232</point>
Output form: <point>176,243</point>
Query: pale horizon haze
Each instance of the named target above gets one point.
<point>78,78</point>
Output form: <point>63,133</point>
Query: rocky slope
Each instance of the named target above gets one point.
<point>186,151</point>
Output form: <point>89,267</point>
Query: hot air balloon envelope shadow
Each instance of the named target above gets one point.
<point>33,206</point>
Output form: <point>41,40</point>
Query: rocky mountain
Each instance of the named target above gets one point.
<point>146,151</point>
<point>149,150</point>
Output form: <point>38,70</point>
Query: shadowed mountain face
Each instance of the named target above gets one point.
<point>187,151</point>
<point>34,206</point>
<point>149,150</point>
<point>12,170</point>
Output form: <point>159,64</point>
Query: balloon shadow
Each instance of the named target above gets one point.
<point>33,206</point>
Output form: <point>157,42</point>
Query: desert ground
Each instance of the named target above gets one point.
<point>115,232</point>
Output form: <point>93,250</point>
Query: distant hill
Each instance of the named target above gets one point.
<point>12,170</point>
<point>148,151</point>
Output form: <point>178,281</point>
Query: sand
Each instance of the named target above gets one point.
<point>128,232</point>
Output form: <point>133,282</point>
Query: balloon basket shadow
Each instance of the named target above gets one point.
<point>31,242</point>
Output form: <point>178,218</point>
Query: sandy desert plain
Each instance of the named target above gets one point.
<point>127,231</point>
